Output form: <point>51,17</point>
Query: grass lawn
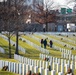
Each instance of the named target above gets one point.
<point>52,51</point>
<point>31,52</point>
<point>7,73</point>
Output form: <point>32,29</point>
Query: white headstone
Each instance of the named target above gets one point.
<point>9,66</point>
<point>34,62</point>
<point>72,57</point>
<point>12,66</point>
<point>46,71</point>
<point>43,65</point>
<point>1,64</point>
<point>60,73</point>
<point>37,62</point>
<point>64,55</point>
<point>32,68</point>
<point>56,60</point>
<point>40,63</point>
<point>36,69</point>
<point>54,66</point>
<point>64,62</point>
<point>66,68</point>
<point>30,62</point>
<point>23,70</point>
<point>75,64</point>
<point>41,70</point>
<point>68,63</point>
<point>20,68</point>
<point>27,68</point>
<point>15,67</point>
<point>59,61</point>
<point>58,67</point>
<point>22,59</point>
<point>46,64</point>
<point>6,63</point>
<point>75,57</point>
<point>69,56</point>
<point>72,67</point>
<point>62,68</point>
<point>53,72</point>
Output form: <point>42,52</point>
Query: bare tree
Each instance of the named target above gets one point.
<point>43,14</point>
<point>11,16</point>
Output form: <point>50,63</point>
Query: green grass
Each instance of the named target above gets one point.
<point>65,41</point>
<point>7,73</point>
<point>56,43</point>
<point>52,51</point>
<point>31,52</point>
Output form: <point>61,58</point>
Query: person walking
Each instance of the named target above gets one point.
<point>45,43</point>
<point>42,42</point>
<point>51,43</point>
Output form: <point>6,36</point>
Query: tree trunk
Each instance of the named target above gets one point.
<point>16,52</point>
<point>46,27</point>
<point>9,46</point>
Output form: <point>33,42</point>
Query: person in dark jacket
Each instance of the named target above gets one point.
<point>45,43</point>
<point>42,42</point>
<point>51,43</point>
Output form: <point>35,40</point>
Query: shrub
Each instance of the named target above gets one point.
<point>4,68</point>
<point>64,45</point>
<point>24,41</point>
<point>20,39</point>
<point>13,44</point>
<point>72,48</point>
<point>61,38</point>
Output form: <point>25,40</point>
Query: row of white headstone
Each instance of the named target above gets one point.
<point>54,59</point>
<point>71,64</point>
<point>35,46</point>
<point>68,56</point>
<point>66,39</point>
<point>55,47</point>
<point>56,33</point>
<point>65,51</point>
<point>34,37</point>
<point>14,43</point>
<point>63,67</point>
<point>62,50</point>
<point>62,43</point>
<point>2,50</point>
<point>22,69</point>
<point>12,67</point>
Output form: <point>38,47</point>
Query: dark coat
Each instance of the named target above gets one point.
<point>51,42</point>
<point>45,42</point>
<point>42,41</point>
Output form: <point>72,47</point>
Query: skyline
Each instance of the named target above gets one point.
<point>62,3</point>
